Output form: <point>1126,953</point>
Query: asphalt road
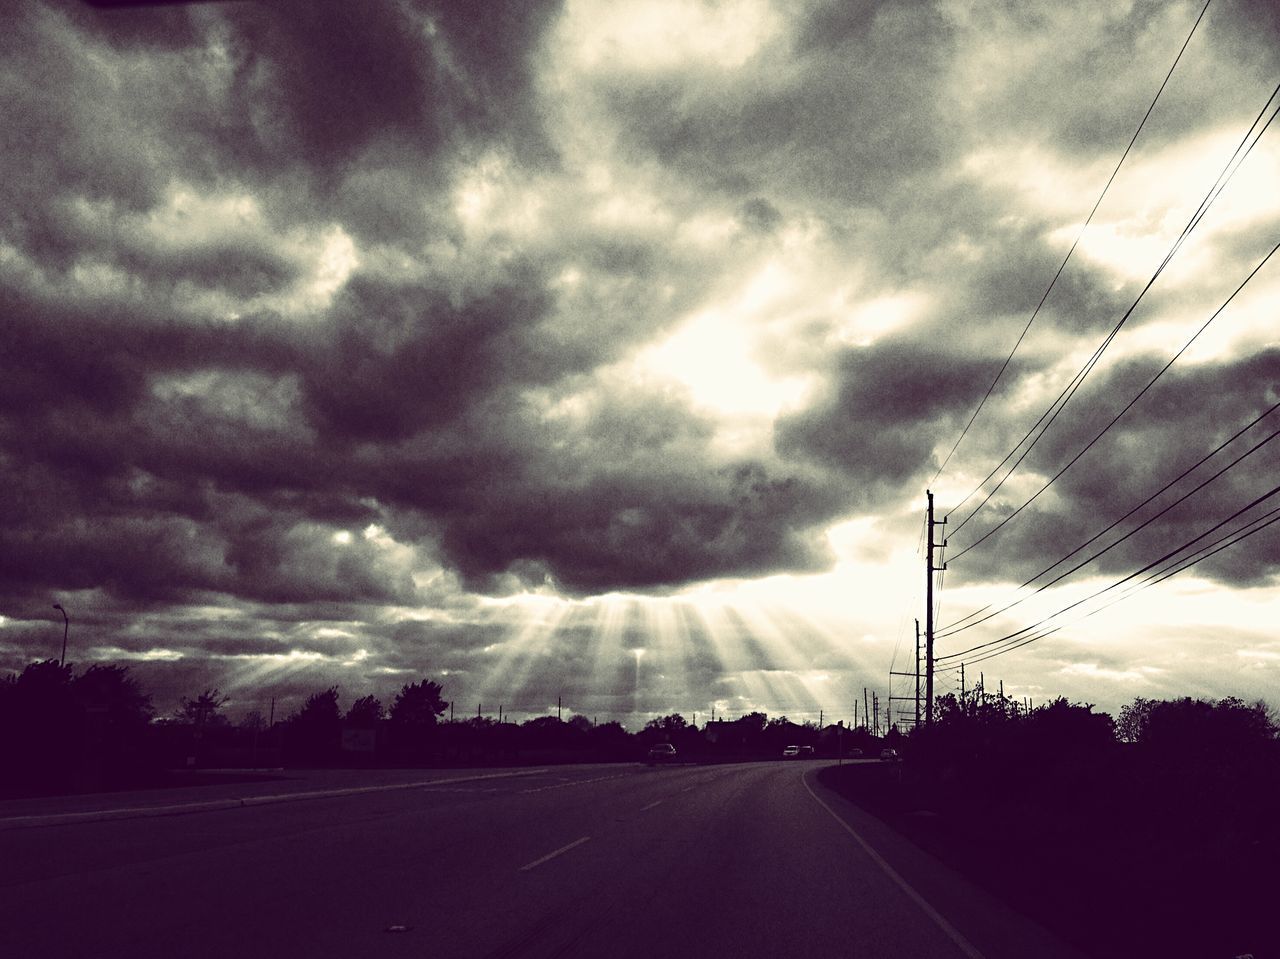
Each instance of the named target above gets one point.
<point>591,861</point>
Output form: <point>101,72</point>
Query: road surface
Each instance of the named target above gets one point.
<point>731,861</point>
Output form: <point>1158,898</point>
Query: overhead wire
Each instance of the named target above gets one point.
<point>1258,525</point>
<point>1075,243</point>
<point>1243,149</point>
<point>1145,569</point>
<point>1224,177</point>
<point>1128,406</point>
<point>953,628</point>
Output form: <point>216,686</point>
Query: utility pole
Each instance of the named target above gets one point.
<point>866,713</point>
<point>451,710</point>
<point>962,683</point>
<point>917,674</point>
<point>819,718</point>
<point>557,707</point>
<point>928,607</point>
<point>855,714</point>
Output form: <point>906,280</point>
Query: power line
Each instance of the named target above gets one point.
<point>1147,568</point>
<point>956,627</point>
<point>1115,419</point>
<point>1259,524</point>
<point>1059,404</point>
<point>1190,469</point>
<point>1154,579</point>
<point>1075,243</point>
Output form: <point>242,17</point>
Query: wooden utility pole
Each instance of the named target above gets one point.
<point>866,713</point>
<point>928,607</point>
<point>917,674</point>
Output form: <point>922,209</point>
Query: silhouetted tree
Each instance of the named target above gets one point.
<point>664,729</point>
<point>418,705</point>
<point>1131,727</point>
<point>611,741</point>
<point>547,732</point>
<point>365,711</point>
<point>316,730</point>
<point>204,710</point>
<point>40,702</point>
<point>1205,726</point>
<point>414,714</point>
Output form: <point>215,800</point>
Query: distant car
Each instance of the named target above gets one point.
<point>889,755</point>
<point>662,753</point>
<point>855,753</point>
<point>806,750</point>
<point>791,752</point>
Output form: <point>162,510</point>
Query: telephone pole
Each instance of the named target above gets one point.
<point>928,607</point>
<point>917,674</point>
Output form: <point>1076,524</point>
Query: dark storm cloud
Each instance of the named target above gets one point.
<point>848,118</point>
<point>402,359</point>
<point>627,498</point>
<point>283,96</point>
<point>1017,265</point>
<point>1185,416</point>
<point>886,407</point>
<point>644,530</point>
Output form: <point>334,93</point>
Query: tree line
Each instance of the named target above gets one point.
<point>1150,833</point>
<point>97,728</point>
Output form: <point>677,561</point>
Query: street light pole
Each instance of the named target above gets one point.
<point>66,626</point>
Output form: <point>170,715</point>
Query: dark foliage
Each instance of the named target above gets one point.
<point>66,732</point>
<point>315,734</point>
<point>1177,795</point>
<point>365,712</point>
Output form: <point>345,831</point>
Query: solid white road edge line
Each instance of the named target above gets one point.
<point>952,932</point>
<point>552,855</point>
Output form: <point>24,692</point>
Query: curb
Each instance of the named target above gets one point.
<point>178,809</point>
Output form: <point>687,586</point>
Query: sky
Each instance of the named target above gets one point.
<point>603,353</point>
